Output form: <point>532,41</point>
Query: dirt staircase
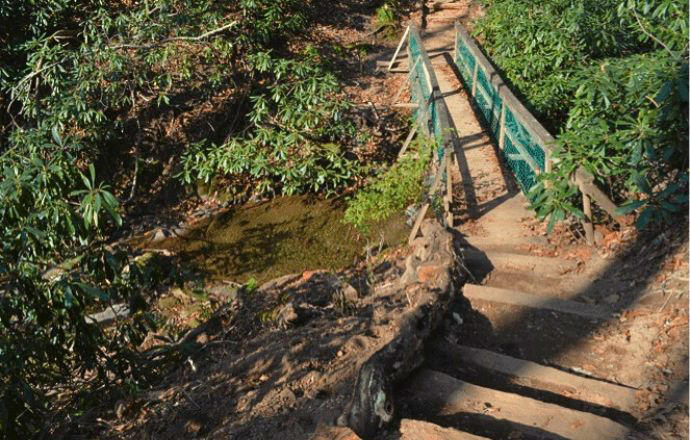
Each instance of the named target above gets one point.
<point>520,375</point>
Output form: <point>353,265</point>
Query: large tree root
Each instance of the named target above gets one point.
<point>429,287</point>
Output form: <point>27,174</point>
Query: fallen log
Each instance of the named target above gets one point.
<point>429,287</point>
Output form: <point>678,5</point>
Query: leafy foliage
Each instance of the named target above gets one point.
<point>53,269</point>
<point>292,148</point>
<point>611,76</point>
<point>389,15</point>
<point>77,77</point>
<point>393,190</point>
<point>541,46</point>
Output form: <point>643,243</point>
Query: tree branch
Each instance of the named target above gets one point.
<point>644,31</point>
<point>168,40</point>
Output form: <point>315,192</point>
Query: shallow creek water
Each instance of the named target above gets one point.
<point>281,236</point>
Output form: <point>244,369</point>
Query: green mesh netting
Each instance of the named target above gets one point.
<point>491,103</point>
<point>488,101</point>
<point>466,63</point>
<point>426,113</point>
<point>522,135</point>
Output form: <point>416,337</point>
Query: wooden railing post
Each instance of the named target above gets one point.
<point>409,138</point>
<point>397,51</point>
<point>502,129</point>
<point>428,78</point>
<point>449,189</point>
<point>474,78</point>
<point>587,222</point>
<point>586,208</point>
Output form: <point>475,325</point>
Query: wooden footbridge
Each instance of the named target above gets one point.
<point>490,151</point>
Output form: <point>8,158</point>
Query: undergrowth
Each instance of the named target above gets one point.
<point>393,190</point>
<point>610,78</point>
<point>81,84</point>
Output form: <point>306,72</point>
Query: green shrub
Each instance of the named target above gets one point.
<point>540,46</point>
<point>389,14</point>
<point>385,16</point>
<point>611,78</point>
<point>628,127</point>
<point>77,77</point>
<point>54,268</point>
<point>392,191</point>
<point>299,131</point>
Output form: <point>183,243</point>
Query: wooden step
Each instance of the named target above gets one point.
<point>522,299</point>
<point>538,377</point>
<point>540,285</point>
<point>498,414</point>
<point>420,430</point>
<point>549,266</point>
<point>517,245</point>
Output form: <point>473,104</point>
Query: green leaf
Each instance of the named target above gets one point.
<point>36,233</point>
<point>664,92</point>
<point>670,207</point>
<point>93,291</point>
<point>56,136</point>
<point>69,297</point>
<point>644,218</point>
<point>577,212</point>
<point>116,217</point>
<point>551,224</point>
<point>642,184</point>
<point>629,207</point>
<point>86,181</point>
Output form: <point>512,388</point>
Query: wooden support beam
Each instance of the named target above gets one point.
<point>405,104</point>
<point>484,92</point>
<point>418,223</point>
<point>548,166</point>
<point>425,208</point>
<point>420,430</point>
<point>474,79</point>
<point>408,140</point>
<point>548,162</point>
<point>587,221</point>
<point>514,156</point>
<point>524,155</point>
<point>502,129</point>
<point>428,78</point>
<point>522,299</point>
<point>437,395</point>
<point>536,376</point>
<point>400,45</point>
<point>586,183</point>
<point>449,189</point>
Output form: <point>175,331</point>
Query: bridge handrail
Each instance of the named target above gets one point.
<point>432,117</point>
<point>480,70</point>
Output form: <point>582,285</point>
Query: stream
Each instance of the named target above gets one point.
<point>288,234</point>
